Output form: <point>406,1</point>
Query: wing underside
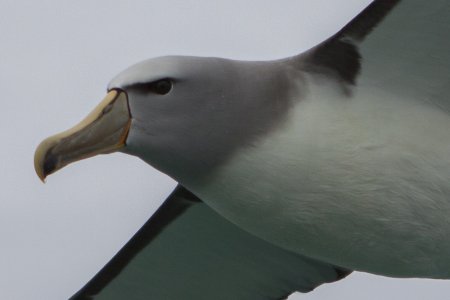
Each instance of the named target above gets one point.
<point>400,47</point>
<point>187,251</point>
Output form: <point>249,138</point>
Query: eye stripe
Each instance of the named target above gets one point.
<point>160,87</point>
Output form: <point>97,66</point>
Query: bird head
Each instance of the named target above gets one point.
<point>183,115</point>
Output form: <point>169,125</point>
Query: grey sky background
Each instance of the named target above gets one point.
<point>56,58</point>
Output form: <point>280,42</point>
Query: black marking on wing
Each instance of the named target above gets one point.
<point>342,272</point>
<point>187,251</point>
<point>154,226</point>
<point>341,57</point>
<point>340,54</point>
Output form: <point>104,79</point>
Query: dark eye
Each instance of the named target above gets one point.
<point>162,86</point>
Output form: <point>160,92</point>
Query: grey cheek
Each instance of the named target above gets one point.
<point>194,132</point>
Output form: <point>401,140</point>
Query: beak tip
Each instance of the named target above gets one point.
<point>40,172</point>
<point>40,158</point>
<point>42,179</point>
<point>42,176</point>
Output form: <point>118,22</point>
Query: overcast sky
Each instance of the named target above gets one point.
<point>56,58</point>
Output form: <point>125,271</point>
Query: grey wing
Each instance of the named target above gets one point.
<point>187,251</point>
<point>399,46</point>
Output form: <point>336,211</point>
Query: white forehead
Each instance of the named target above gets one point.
<point>150,70</point>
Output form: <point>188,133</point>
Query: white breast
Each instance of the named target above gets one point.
<point>361,182</point>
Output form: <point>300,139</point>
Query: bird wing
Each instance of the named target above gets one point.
<point>400,47</point>
<point>187,251</point>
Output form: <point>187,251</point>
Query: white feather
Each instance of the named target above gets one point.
<point>360,182</point>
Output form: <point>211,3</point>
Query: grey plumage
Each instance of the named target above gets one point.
<point>224,117</point>
<point>338,156</point>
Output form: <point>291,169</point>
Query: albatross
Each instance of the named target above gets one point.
<point>291,173</point>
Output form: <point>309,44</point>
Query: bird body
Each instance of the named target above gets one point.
<point>338,157</point>
<point>364,173</point>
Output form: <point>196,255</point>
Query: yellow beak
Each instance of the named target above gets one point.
<point>104,130</point>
